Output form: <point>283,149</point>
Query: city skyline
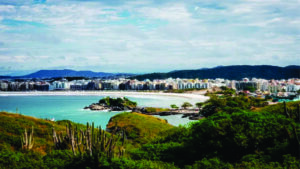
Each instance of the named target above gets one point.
<point>146,36</point>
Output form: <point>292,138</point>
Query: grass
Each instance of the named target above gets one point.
<point>155,109</point>
<point>139,127</point>
<point>12,127</point>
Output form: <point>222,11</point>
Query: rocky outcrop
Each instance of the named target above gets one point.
<point>102,107</point>
<point>111,104</point>
<point>97,107</point>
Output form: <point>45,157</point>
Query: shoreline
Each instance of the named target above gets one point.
<point>103,93</point>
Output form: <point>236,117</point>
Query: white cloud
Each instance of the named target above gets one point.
<point>157,37</point>
<point>7,8</point>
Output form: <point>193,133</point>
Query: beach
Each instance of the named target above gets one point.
<point>62,105</point>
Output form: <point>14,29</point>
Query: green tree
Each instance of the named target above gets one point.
<point>199,104</point>
<point>250,88</point>
<point>173,106</point>
<point>186,105</point>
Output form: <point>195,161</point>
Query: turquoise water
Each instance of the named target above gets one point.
<point>71,107</point>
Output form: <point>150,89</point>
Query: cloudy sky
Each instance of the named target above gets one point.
<point>146,35</point>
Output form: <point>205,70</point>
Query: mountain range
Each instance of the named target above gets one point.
<point>43,74</point>
<point>236,72</point>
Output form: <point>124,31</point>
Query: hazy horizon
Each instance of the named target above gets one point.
<point>147,35</point>
<point>26,72</point>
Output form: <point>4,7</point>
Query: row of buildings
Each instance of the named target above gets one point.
<point>263,85</point>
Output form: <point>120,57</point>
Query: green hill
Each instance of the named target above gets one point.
<point>265,138</point>
<point>236,72</point>
<point>139,127</point>
<point>12,127</point>
<point>44,154</point>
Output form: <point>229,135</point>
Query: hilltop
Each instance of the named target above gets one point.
<point>43,74</point>
<point>139,127</point>
<point>236,72</point>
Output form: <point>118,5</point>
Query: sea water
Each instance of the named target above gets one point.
<point>71,107</point>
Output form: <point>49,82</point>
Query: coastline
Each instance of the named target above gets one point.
<point>103,93</point>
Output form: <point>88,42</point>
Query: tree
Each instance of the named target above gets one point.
<point>250,88</point>
<point>199,104</point>
<point>173,106</point>
<point>186,105</point>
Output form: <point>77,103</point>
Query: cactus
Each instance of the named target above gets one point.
<point>90,141</point>
<point>27,141</point>
<point>298,112</point>
<point>285,110</point>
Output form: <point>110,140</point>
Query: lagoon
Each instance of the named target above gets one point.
<point>70,107</point>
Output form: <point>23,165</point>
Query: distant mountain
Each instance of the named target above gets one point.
<point>5,77</point>
<point>230,72</point>
<point>69,73</point>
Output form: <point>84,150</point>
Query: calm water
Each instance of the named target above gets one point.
<point>71,107</point>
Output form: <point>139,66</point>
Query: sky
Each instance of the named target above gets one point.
<point>146,35</point>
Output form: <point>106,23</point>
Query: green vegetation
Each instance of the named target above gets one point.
<point>230,104</point>
<point>250,88</point>
<point>233,135</point>
<point>186,105</point>
<point>174,106</point>
<point>291,110</point>
<point>138,127</point>
<point>153,110</point>
<point>118,102</point>
<point>226,91</point>
<point>239,140</point>
<point>199,104</point>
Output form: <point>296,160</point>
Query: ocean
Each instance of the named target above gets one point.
<point>70,107</point>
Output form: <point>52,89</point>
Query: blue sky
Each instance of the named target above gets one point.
<point>146,35</point>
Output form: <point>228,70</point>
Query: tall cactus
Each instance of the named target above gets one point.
<point>27,141</point>
<point>285,110</point>
<point>298,112</point>
<point>90,141</point>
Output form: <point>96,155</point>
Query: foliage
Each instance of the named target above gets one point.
<point>186,105</point>
<point>226,91</point>
<point>250,88</point>
<point>213,163</point>
<point>199,104</point>
<point>138,127</point>
<point>227,138</point>
<point>174,106</point>
<point>230,104</point>
<point>91,141</point>
<point>155,109</point>
<point>231,137</point>
<point>118,102</point>
<point>292,109</point>
<point>12,160</point>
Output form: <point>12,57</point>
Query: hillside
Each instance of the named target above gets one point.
<point>240,139</point>
<point>139,127</point>
<point>230,72</point>
<point>12,126</point>
<point>43,74</point>
<point>66,73</point>
<point>44,153</point>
